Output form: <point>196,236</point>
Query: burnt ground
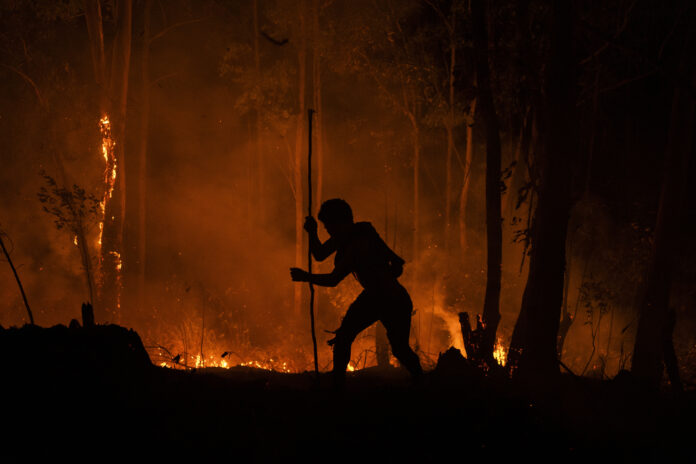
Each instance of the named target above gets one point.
<point>93,394</point>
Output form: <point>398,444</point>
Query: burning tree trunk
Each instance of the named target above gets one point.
<point>543,295</point>
<point>112,107</point>
<point>299,138</point>
<point>654,333</point>
<point>494,232</point>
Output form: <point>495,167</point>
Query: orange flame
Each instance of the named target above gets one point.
<point>107,149</point>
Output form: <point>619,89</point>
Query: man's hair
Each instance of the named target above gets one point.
<point>335,211</point>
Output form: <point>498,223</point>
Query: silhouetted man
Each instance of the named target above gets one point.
<point>360,250</point>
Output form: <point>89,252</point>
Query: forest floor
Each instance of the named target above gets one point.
<point>93,394</point>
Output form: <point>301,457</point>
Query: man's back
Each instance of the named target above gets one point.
<point>364,253</point>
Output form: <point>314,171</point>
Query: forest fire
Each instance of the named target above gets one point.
<point>409,189</point>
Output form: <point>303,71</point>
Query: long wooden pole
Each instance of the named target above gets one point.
<point>21,289</point>
<point>310,112</point>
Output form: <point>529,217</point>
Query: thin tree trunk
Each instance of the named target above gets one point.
<point>258,144</point>
<point>19,282</point>
<point>567,318</point>
<point>299,138</point>
<point>415,135</point>
<point>464,194</point>
<point>142,157</point>
<point>86,261</point>
<point>449,126</point>
<point>95,32</point>
<point>381,341</point>
<point>494,232</point>
<point>318,116</point>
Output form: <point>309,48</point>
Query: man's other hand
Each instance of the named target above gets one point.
<point>299,275</point>
<point>310,224</point>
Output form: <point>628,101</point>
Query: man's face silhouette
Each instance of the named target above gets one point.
<point>336,229</point>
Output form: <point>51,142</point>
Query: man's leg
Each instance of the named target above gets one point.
<point>360,315</point>
<point>397,321</point>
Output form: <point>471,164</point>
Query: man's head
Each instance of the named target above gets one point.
<point>336,215</point>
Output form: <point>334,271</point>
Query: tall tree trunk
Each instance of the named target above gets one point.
<point>519,174</point>
<point>543,295</point>
<point>299,153</point>
<point>566,318</point>
<point>415,136</point>
<point>449,126</point>
<point>112,114</point>
<point>464,194</point>
<point>494,232</point>
<point>381,340</point>
<point>115,206</point>
<point>95,32</point>
<point>318,127</point>
<point>258,144</point>
<point>142,156</point>
<point>653,328</point>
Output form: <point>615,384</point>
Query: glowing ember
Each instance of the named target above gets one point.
<point>101,227</point>
<point>75,240</point>
<point>499,352</point>
<point>117,259</point>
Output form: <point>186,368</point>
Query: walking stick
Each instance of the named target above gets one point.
<point>310,112</point>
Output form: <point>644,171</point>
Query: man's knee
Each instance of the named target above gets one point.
<point>344,336</point>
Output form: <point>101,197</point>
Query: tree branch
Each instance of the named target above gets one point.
<point>168,29</point>
<point>42,102</point>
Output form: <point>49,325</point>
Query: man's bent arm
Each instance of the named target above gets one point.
<point>320,251</point>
